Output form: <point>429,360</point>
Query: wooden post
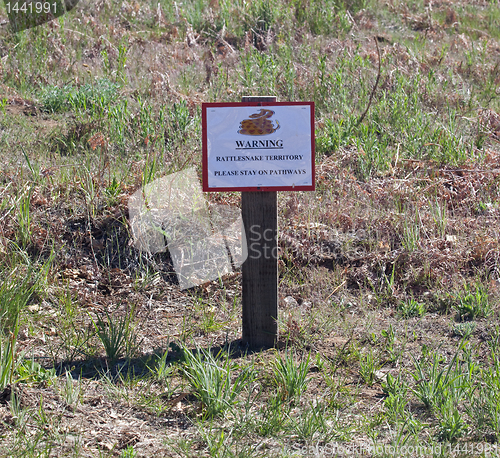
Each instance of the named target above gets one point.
<point>260,270</point>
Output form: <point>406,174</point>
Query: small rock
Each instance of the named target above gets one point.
<point>290,302</point>
<point>381,376</point>
<point>71,440</point>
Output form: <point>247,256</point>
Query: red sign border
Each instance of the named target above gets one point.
<point>206,188</point>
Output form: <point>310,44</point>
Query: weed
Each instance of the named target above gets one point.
<point>117,385</point>
<point>161,370</point>
<point>215,440</point>
<point>70,393</point>
<point>274,417</point>
<point>121,64</point>
<point>128,452</point>
<point>368,366</point>
<point>17,288</point>
<point>30,371</point>
<point>471,304</point>
<point>439,215</point>
<point>411,234</point>
<point>41,417</point>
<point>24,221</point>
<point>452,425</point>
<point>434,384</point>
<point>88,97</point>
<point>74,335</point>
<point>8,363</point>
<point>390,341</point>
<point>464,330</point>
<point>211,379</point>
<point>485,406</point>
<point>179,120</point>
<point>112,191</point>
<point>207,314</point>
<point>396,390</point>
<point>117,335</point>
<point>19,414</point>
<point>290,377</point>
<point>335,135</point>
<point>411,308</point>
<point>90,190</point>
<point>316,424</point>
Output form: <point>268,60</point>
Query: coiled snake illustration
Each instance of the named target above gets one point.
<point>259,124</point>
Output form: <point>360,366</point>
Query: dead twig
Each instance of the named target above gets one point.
<point>360,120</point>
<point>336,289</point>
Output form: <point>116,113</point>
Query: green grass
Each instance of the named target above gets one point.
<point>472,303</point>
<point>211,380</point>
<point>438,384</point>
<point>8,361</point>
<point>411,308</point>
<point>368,366</point>
<point>117,335</point>
<point>290,376</point>
<point>93,98</point>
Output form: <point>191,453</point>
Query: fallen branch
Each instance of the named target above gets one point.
<point>360,120</point>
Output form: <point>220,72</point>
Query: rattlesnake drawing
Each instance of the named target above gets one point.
<point>259,124</point>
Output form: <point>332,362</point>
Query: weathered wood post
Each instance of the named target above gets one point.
<point>260,270</point>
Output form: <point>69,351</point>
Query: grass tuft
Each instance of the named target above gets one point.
<point>216,381</point>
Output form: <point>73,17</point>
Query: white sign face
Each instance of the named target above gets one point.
<point>256,147</point>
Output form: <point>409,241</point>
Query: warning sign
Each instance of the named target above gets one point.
<point>258,146</point>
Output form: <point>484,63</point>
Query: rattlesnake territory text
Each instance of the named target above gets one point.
<point>283,157</point>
